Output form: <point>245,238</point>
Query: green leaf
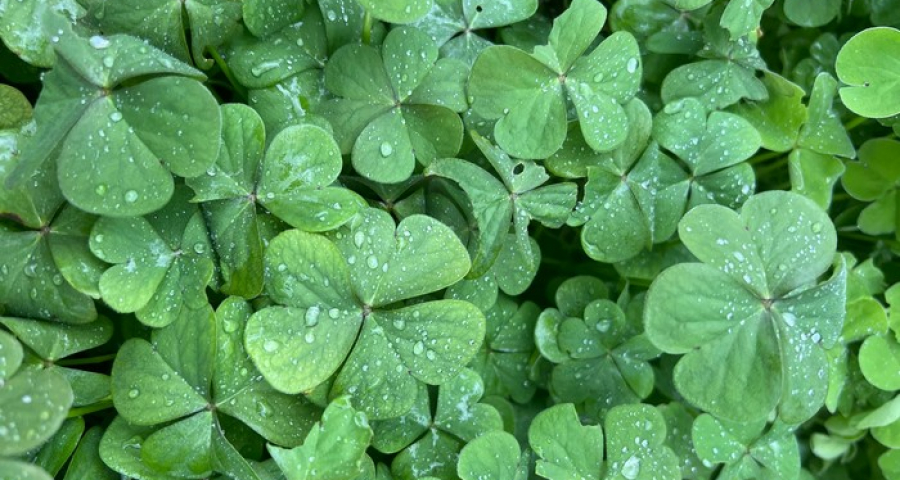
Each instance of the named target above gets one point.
<point>24,31</point>
<point>22,471</point>
<point>566,448</point>
<point>396,11</point>
<point>53,341</point>
<point>744,448</point>
<point>16,108</point>
<point>265,17</point>
<point>56,452</point>
<point>493,455</point>
<point>877,358</point>
<point>334,449</point>
<point>807,14</point>
<point>86,462</point>
<point>34,405</point>
<point>873,86</point>
<point>742,17</point>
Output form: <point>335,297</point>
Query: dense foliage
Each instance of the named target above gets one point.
<point>449,239</point>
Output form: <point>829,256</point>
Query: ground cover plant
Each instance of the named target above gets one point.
<point>449,239</point>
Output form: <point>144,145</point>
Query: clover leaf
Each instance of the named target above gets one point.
<point>510,202</point>
<point>527,93</point>
<point>395,106</point>
<point>754,296</point>
<point>428,444</point>
<point>34,401</point>
<point>634,445</point>
<point>343,313</point>
<point>742,17</point>
<point>451,24</point>
<point>51,342</point>
<point>873,179</point>
<point>86,461</point>
<point>506,352</point>
<point>713,147</point>
<point>493,455</point>
<point>334,449</point>
<point>397,11</point>
<point>291,179</point>
<point>746,449</point>
<point>111,132</point>
<point>193,373</point>
<point>24,28</point>
<point>46,270</point>
<point>162,263</point>
<point>872,86</point>
<point>164,23</point>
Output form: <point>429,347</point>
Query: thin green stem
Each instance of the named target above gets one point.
<point>774,166</point>
<point>764,157</point>
<point>104,404</point>
<point>855,123</point>
<point>71,362</point>
<point>367,28</point>
<point>238,88</point>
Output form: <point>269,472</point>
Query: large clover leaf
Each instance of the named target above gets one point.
<point>396,106</point>
<point>46,269</point>
<point>194,372</point>
<point>873,85</point>
<point>164,23</point>
<point>342,311</point>
<point>162,263</point>
<point>874,179</point>
<point>118,139</point>
<point>813,136</point>
<point>527,93</point>
<point>428,444</point>
<point>754,298</point>
<point>452,23</point>
<point>33,401</point>
<point>494,455</point>
<point>635,450</point>
<point>510,202</point>
<point>291,180</point>
<point>745,449</point>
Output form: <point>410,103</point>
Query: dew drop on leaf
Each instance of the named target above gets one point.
<point>372,262</point>
<point>133,393</point>
<point>789,319</point>
<point>115,116</point>
<point>386,149</point>
<point>334,313</point>
<point>358,239</point>
<point>816,227</point>
<point>312,316</point>
<point>101,189</point>
<point>108,61</point>
<point>98,42</point>
<point>199,248</point>
<point>230,326</point>
<point>131,196</point>
<point>399,324</point>
<point>603,326</point>
<point>271,345</point>
<point>631,65</point>
<point>418,348</point>
<point>631,468</point>
<point>310,337</point>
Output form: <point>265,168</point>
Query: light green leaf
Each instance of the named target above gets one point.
<point>265,17</point>
<point>86,462</point>
<point>33,405</point>
<point>742,17</point>
<point>873,86</point>
<point>879,358</point>
<point>23,28</point>
<point>566,448</point>
<point>53,341</point>
<point>494,455</point>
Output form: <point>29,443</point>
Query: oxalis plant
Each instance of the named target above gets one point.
<point>449,239</point>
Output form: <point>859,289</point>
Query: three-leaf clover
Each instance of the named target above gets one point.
<point>343,311</point>
<point>874,179</point>
<point>193,373</point>
<point>751,321</point>
<point>395,106</point>
<point>634,445</point>
<point>527,93</point>
<point>117,140</point>
<point>746,449</point>
<point>161,263</point>
<point>291,179</point>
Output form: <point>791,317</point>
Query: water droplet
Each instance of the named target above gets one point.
<point>131,196</point>
<point>101,189</point>
<point>98,42</point>
<point>310,337</point>
<point>230,326</point>
<point>399,324</point>
<point>673,108</point>
<point>418,348</point>
<point>598,77</point>
<point>331,15</point>
<point>386,149</point>
<point>603,326</point>
<point>631,468</point>
<point>30,269</point>
<point>26,399</point>
<point>631,65</point>
<point>133,393</point>
<point>108,61</point>
<point>789,318</point>
<point>372,261</point>
<point>430,355</point>
<point>57,280</point>
<point>358,239</point>
<point>334,313</point>
<point>115,116</point>
<point>312,316</point>
<point>271,345</point>
<point>816,227</point>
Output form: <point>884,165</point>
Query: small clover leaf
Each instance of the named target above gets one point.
<point>494,455</point>
<point>164,22</point>
<point>452,23</point>
<point>162,263</point>
<point>111,132</point>
<point>873,86</point>
<point>742,17</point>
<point>291,180</point>
<point>395,106</point>
<point>754,296</point>
<point>873,179</point>
<point>33,401</point>
<point>265,17</point>
<point>86,462</point>
<point>807,14</point>
<point>333,450</point>
<point>340,299</point>
<point>507,349</point>
<point>745,449</point>
<point>25,30</point>
<point>429,443</point>
<point>510,202</point>
<point>635,436</point>
<point>527,93</point>
<point>17,109</point>
<point>679,421</point>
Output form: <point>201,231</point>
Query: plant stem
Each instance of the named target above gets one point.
<point>367,28</point>
<point>238,88</point>
<point>86,361</point>
<point>855,123</point>
<point>104,404</point>
<point>776,165</point>
<point>764,157</point>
